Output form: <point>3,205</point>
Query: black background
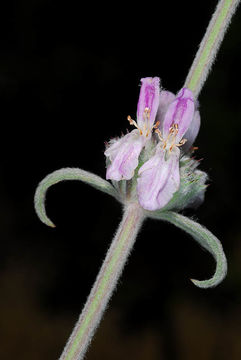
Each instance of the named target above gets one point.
<point>69,76</point>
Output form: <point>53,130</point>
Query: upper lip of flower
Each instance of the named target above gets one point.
<point>147,106</point>
<point>148,102</point>
<point>179,115</point>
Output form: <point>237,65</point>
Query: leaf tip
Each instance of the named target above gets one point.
<point>198,283</point>
<point>194,281</point>
<point>52,225</point>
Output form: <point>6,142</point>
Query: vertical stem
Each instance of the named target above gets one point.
<point>105,284</point>
<point>210,45</point>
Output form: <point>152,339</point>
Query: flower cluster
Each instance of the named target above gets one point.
<point>166,128</point>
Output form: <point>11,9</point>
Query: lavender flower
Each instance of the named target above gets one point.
<point>123,153</point>
<point>159,177</point>
<point>172,117</point>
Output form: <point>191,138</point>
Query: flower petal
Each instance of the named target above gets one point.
<point>192,132</point>
<point>149,98</point>
<point>180,112</point>
<point>123,155</point>
<point>159,179</point>
<point>165,99</point>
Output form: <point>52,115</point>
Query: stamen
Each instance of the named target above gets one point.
<point>194,148</point>
<point>156,125</point>
<point>171,138</point>
<point>159,134</point>
<point>182,142</point>
<point>145,128</point>
<point>132,122</point>
<point>171,132</point>
<point>147,112</point>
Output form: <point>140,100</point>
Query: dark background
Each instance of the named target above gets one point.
<point>69,76</point>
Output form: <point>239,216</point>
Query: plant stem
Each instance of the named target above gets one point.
<point>105,283</point>
<point>210,45</point>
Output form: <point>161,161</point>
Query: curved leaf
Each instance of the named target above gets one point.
<point>67,174</point>
<point>205,238</point>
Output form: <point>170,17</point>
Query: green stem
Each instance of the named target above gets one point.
<point>210,45</point>
<point>105,283</point>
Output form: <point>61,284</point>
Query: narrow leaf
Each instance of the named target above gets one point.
<point>205,238</point>
<point>67,174</point>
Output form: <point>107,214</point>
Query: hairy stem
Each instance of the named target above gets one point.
<point>105,284</point>
<point>210,45</point>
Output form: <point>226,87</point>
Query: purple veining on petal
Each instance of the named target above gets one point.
<point>149,98</point>
<point>159,179</point>
<point>180,112</point>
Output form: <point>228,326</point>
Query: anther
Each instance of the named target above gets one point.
<point>130,119</point>
<point>173,128</point>
<point>147,112</point>
<point>194,148</point>
<point>182,142</point>
<point>132,122</point>
<point>156,125</point>
<point>159,134</point>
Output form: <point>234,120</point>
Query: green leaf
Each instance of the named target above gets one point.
<point>67,174</point>
<point>205,238</point>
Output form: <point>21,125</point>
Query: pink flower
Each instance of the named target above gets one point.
<point>123,153</point>
<point>159,177</point>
